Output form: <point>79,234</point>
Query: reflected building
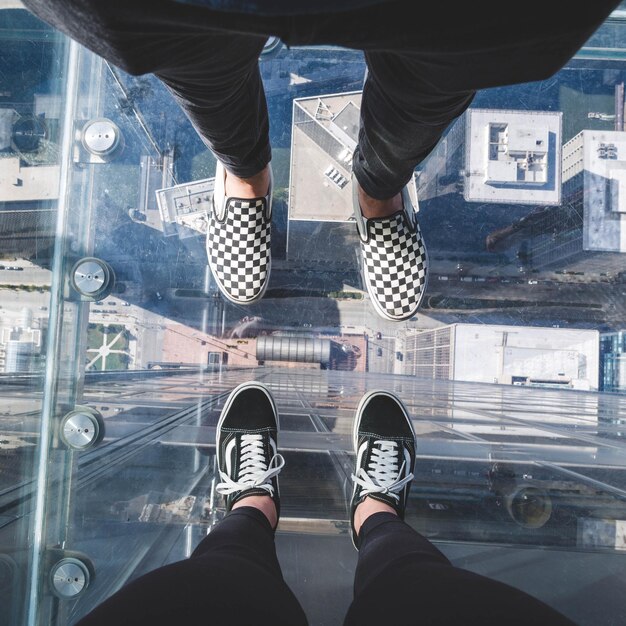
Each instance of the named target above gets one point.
<point>613,361</point>
<point>508,355</point>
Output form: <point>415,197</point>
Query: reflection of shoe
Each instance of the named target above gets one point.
<point>245,441</point>
<point>384,444</point>
<point>238,242</point>
<point>394,259</point>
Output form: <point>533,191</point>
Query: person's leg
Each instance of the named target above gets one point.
<point>233,577</point>
<point>216,81</point>
<point>403,579</point>
<point>212,72</point>
<point>415,88</point>
<point>424,77</point>
<point>403,115</point>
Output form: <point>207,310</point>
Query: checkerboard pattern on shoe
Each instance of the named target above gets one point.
<point>238,249</point>
<point>394,265</point>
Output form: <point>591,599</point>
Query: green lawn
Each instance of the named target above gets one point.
<point>114,361</point>
<point>95,333</point>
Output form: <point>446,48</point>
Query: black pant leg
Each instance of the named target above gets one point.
<point>403,116</point>
<point>212,73</point>
<point>402,579</point>
<point>416,88</point>
<point>232,578</point>
<point>218,85</point>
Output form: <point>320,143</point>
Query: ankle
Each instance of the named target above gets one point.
<point>373,208</point>
<point>256,186</point>
<point>265,504</point>
<point>367,508</point>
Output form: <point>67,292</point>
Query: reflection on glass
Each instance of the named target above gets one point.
<point>117,350</point>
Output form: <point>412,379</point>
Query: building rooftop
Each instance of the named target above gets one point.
<point>513,156</point>
<point>603,156</point>
<point>324,135</point>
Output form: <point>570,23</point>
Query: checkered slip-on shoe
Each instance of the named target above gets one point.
<point>394,261</point>
<point>384,444</point>
<point>245,441</point>
<point>238,243</point>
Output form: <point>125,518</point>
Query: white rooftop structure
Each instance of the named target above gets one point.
<point>184,208</point>
<point>513,156</point>
<point>24,183</point>
<point>324,136</point>
<point>598,159</point>
<point>517,355</point>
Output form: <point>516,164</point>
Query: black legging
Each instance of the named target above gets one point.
<point>234,578</point>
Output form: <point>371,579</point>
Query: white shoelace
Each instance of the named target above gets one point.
<point>254,471</point>
<point>384,475</point>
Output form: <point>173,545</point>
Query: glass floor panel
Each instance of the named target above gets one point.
<point>514,369</point>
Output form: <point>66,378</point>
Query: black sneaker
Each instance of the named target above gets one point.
<point>238,242</point>
<point>245,439</point>
<point>384,444</point>
<point>394,261</point>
